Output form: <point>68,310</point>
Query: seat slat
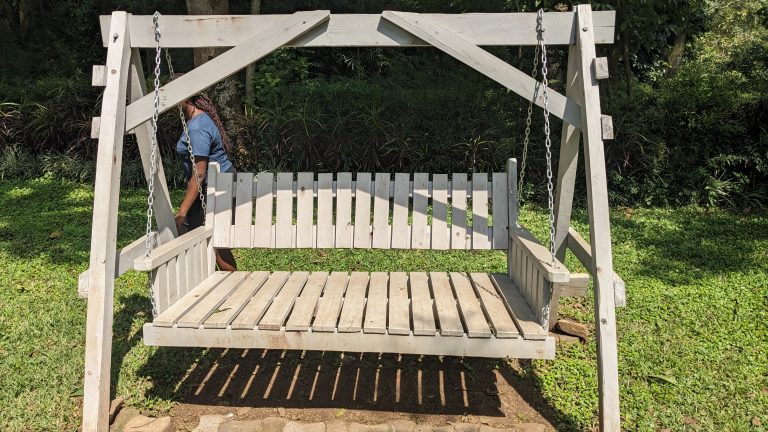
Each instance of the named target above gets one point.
<point>376,305</point>
<point>480,239</point>
<point>329,304</point>
<point>210,303</point>
<point>440,236</point>
<point>236,301</point>
<point>258,304</point>
<point>381,236</point>
<point>445,304</point>
<point>325,231</point>
<point>399,304</point>
<point>168,317</point>
<point>420,229</point>
<point>262,228</point>
<point>344,210</point>
<point>469,307</point>
<point>282,303</point>
<point>305,210</point>
<point>401,238</point>
<point>459,234</point>
<point>494,306</point>
<point>363,211</point>
<point>521,312</point>
<point>306,304</point>
<point>351,319</point>
<point>421,304</point>
<point>500,211</point>
<point>243,210</point>
<point>284,214</point>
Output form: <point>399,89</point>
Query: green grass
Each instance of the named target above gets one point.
<point>692,341</point>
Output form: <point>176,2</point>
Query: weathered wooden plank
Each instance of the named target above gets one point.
<point>325,231</point>
<point>469,307</point>
<point>606,123</point>
<point>421,305</point>
<point>282,303</point>
<point>284,211</point>
<point>344,210</point>
<point>500,209</point>
<point>351,318</point>
<point>401,238</point>
<point>459,235</point>
<point>164,252</point>
<point>252,312</point>
<point>419,228</point>
<point>160,287</point>
<point>381,235</point>
<point>223,218</point>
<point>540,255</point>
<point>583,252</point>
<point>494,306</point>
<point>306,304</point>
<point>210,303</point>
<point>243,210</point>
<point>236,301</point>
<point>363,211</point>
<point>445,305</point>
<point>441,238</point>
<point>169,316</point>
<point>376,305</point>
<point>524,317</point>
<point>600,68</point>
<point>99,76</point>
<point>329,305</point>
<point>262,228</point>
<point>399,304</point>
<point>305,210</point>
<point>480,237</point>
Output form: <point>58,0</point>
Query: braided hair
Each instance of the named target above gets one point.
<point>203,102</point>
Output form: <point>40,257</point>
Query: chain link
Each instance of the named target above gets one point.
<point>526,139</point>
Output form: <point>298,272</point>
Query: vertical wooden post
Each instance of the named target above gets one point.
<point>166,224</point>
<point>569,160</point>
<point>511,209</point>
<point>98,334</point>
<point>599,225</point>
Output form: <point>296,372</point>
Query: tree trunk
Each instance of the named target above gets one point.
<point>250,71</point>
<point>627,61</point>
<point>27,8</point>
<point>675,58</point>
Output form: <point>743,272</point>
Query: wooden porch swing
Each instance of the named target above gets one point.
<point>435,313</point>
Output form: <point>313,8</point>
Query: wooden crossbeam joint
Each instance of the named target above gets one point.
<point>99,77</point>
<point>606,123</point>
<point>600,68</point>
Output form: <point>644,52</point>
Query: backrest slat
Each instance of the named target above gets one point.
<point>284,213</point>
<point>401,236</point>
<point>344,210</point>
<point>381,234</point>
<point>500,217</point>
<point>325,230</point>
<point>305,210</point>
<point>459,234</point>
<point>480,238</point>
<point>262,227</point>
<point>243,210</point>
<point>440,235</point>
<point>419,227</point>
<point>222,228</point>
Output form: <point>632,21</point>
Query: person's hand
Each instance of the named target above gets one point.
<point>180,219</point>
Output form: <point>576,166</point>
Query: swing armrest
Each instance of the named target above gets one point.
<point>172,249</point>
<point>540,256</point>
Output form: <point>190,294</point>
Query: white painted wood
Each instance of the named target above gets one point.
<point>480,232</point>
<point>344,210</point>
<point>346,30</point>
<point>305,210</point>
<point>262,228</point>
<point>441,238</point>
<point>98,333</point>
<point>169,317</point>
<point>352,311</point>
<point>163,253</point>
<point>500,209</point>
<point>459,234</point>
<point>524,317</point>
<point>243,211</point>
<point>262,43</point>
<point>325,228</point>
<point>252,312</point>
<point>282,303</point>
<point>306,304</point>
<point>99,76</point>
<point>284,211</point>
<point>606,123</point>
<point>419,227</point>
<point>376,305</point>
<point>427,29</point>
<point>492,303</point>
<point>600,68</point>
<point>469,307</point>
<point>445,305</point>
<point>236,301</point>
<point>381,234</point>
<point>583,252</point>
<point>540,256</point>
<point>421,305</point>
<point>210,302</point>
<point>362,223</point>
<point>95,127</point>
<point>362,342</point>
<point>124,261</point>
<point>401,238</point>
<point>599,227</point>
<point>329,305</point>
<point>222,232</point>
<point>399,305</point>
<point>160,287</point>
<point>511,194</point>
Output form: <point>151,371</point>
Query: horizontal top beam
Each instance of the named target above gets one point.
<point>360,30</point>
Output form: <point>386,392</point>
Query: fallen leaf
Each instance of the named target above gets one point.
<point>666,378</point>
<point>690,421</point>
<point>54,235</point>
<point>756,422</point>
<point>340,412</point>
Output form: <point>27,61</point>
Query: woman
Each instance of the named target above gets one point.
<point>210,142</point>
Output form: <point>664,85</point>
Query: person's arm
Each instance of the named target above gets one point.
<point>191,194</point>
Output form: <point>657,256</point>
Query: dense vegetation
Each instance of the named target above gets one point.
<point>688,96</point>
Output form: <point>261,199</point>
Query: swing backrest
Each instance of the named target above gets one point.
<point>379,211</point>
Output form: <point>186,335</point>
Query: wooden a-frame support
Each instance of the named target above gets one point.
<point>579,107</point>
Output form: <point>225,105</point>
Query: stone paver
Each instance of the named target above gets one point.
<point>336,426</point>
<point>142,423</point>
<point>273,424</point>
<point>209,423</point>
<point>123,417</point>
<point>241,426</point>
<point>403,426</point>
<point>466,427</point>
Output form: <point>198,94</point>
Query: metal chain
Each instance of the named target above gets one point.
<point>189,142</point>
<point>526,139</point>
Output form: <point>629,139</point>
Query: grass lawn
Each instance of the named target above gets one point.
<point>693,341</point>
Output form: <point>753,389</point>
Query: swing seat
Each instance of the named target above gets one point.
<point>437,313</point>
